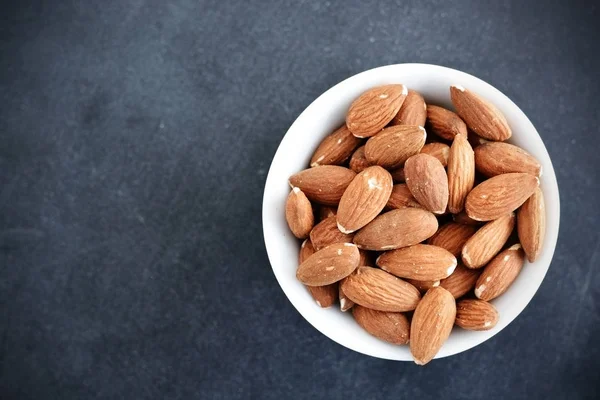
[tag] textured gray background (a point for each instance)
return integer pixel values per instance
(135, 137)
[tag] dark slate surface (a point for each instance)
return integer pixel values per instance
(135, 140)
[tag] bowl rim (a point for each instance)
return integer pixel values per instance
(550, 191)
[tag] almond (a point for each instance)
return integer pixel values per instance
(431, 324)
(378, 290)
(531, 225)
(413, 110)
(499, 195)
(476, 315)
(480, 115)
(397, 228)
(299, 213)
(487, 241)
(441, 151)
(358, 161)
(374, 109)
(461, 173)
(461, 282)
(326, 232)
(428, 182)
(444, 123)
(421, 262)
(329, 265)
(401, 197)
(326, 212)
(325, 184)
(398, 175)
(474, 140)
(364, 199)
(423, 286)
(392, 146)
(321, 294)
(463, 218)
(392, 327)
(496, 158)
(452, 237)
(345, 302)
(500, 273)
(335, 148)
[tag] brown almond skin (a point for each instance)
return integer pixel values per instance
(345, 302)
(378, 290)
(431, 324)
(321, 294)
(398, 175)
(364, 199)
(374, 109)
(496, 158)
(325, 184)
(421, 262)
(441, 151)
(335, 148)
(326, 233)
(329, 265)
(394, 145)
(427, 180)
(423, 286)
(306, 250)
(299, 214)
(476, 315)
(500, 273)
(461, 282)
(531, 225)
(401, 197)
(499, 195)
(463, 218)
(461, 173)
(480, 115)
(358, 161)
(413, 110)
(392, 327)
(397, 228)
(444, 123)
(452, 237)
(487, 241)
(326, 212)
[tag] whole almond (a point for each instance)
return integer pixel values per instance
(401, 197)
(392, 146)
(326, 212)
(479, 114)
(496, 158)
(461, 282)
(321, 294)
(476, 315)
(431, 324)
(325, 184)
(463, 218)
(422, 262)
(499, 195)
(358, 161)
(326, 232)
(378, 290)
(345, 302)
(487, 241)
(397, 228)
(335, 148)
(413, 110)
(329, 265)
(299, 213)
(531, 224)
(398, 175)
(423, 286)
(427, 180)
(364, 199)
(444, 123)
(500, 273)
(392, 327)
(452, 237)
(461, 173)
(441, 151)
(374, 109)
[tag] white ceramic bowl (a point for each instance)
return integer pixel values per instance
(326, 114)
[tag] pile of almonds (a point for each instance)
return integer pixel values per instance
(411, 228)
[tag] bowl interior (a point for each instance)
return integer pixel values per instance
(326, 114)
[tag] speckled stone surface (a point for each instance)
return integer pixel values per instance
(135, 141)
